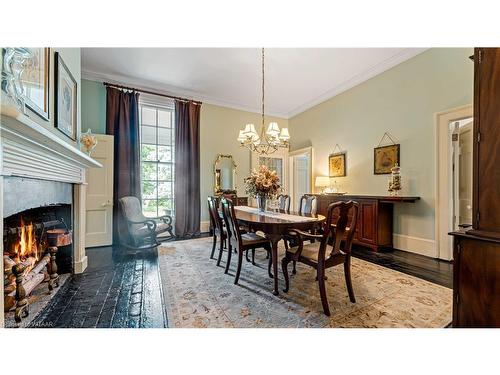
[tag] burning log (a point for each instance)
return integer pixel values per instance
(29, 286)
(29, 280)
(38, 268)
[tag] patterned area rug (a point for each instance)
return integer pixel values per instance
(199, 294)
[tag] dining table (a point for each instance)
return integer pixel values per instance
(275, 224)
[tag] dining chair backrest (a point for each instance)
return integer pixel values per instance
(336, 232)
(215, 219)
(232, 227)
(308, 205)
(284, 202)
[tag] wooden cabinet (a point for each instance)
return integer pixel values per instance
(476, 252)
(374, 227)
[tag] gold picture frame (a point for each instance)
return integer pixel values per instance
(385, 157)
(337, 164)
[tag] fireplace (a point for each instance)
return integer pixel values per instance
(43, 191)
(37, 239)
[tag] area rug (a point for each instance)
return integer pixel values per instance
(198, 294)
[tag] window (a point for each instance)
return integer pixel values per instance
(157, 158)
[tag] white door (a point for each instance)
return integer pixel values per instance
(300, 175)
(99, 210)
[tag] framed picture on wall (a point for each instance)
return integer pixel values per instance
(384, 158)
(65, 98)
(34, 80)
(337, 164)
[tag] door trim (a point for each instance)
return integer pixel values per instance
(305, 150)
(442, 192)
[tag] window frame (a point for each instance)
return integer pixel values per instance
(158, 105)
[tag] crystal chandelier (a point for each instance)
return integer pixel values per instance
(268, 141)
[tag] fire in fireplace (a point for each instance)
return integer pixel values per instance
(32, 240)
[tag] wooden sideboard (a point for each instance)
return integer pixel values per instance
(374, 227)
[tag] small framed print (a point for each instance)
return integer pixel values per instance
(337, 164)
(384, 158)
(65, 98)
(34, 81)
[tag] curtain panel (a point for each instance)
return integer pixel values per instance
(122, 122)
(187, 169)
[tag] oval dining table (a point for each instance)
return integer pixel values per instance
(275, 224)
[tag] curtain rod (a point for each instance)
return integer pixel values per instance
(150, 92)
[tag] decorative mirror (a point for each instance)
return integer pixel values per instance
(225, 174)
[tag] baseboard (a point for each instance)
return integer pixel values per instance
(205, 226)
(81, 265)
(422, 246)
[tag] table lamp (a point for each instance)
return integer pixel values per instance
(322, 182)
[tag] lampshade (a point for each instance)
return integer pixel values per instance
(273, 129)
(322, 181)
(241, 136)
(250, 132)
(284, 135)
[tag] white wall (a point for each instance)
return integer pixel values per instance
(403, 101)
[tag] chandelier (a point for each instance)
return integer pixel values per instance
(268, 141)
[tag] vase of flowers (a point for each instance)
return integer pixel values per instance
(262, 184)
(88, 141)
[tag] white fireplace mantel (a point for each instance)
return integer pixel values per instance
(31, 150)
(28, 149)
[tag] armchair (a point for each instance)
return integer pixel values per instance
(143, 232)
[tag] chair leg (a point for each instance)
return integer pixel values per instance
(221, 249)
(348, 282)
(229, 253)
(253, 257)
(322, 289)
(213, 247)
(238, 270)
(294, 271)
(284, 266)
(269, 265)
(246, 256)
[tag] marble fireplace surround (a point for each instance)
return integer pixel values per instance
(30, 151)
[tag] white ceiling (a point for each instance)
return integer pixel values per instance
(296, 78)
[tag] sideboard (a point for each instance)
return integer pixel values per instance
(374, 226)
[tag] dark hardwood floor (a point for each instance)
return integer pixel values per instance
(434, 270)
(123, 290)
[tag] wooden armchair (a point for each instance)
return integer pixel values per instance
(337, 236)
(143, 232)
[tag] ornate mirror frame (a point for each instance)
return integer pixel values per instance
(217, 182)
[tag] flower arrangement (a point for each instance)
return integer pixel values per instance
(88, 141)
(263, 183)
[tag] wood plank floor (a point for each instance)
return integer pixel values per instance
(120, 290)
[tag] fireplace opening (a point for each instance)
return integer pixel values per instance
(38, 247)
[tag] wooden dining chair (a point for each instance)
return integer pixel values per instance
(242, 242)
(284, 202)
(337, 236)
(308, 205)
(218, 228)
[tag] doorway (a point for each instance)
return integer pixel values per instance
(454, 143)
(301, 175)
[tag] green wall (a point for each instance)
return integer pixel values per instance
(403, 101)
(93, 107)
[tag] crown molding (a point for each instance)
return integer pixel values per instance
(170, 90)
(176, 91)
(359, 78)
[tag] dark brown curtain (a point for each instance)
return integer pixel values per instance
(187, 168)
(122, 121)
